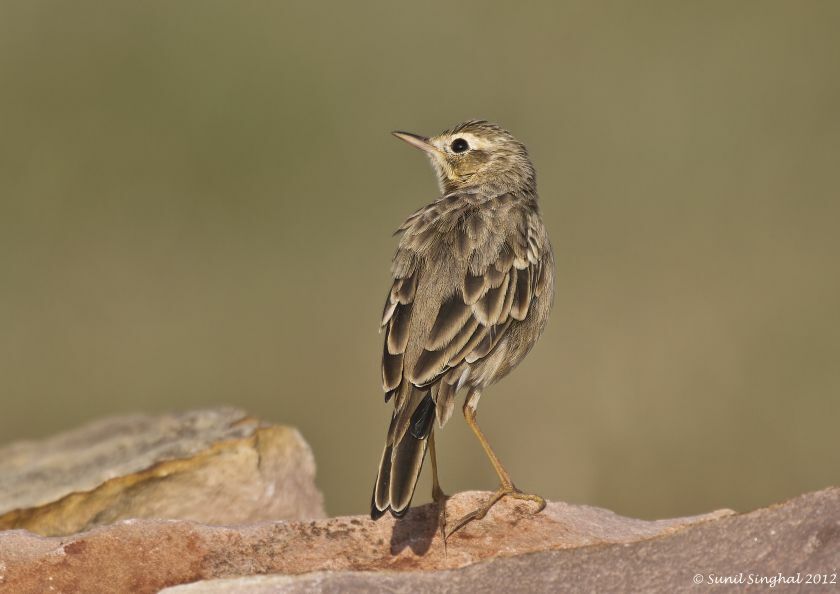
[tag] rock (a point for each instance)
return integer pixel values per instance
(212, 466)
(147, 555)
(566, 548)
(770, 550)
(219, 475)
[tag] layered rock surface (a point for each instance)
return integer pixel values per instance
(254, 482)
(213, 466)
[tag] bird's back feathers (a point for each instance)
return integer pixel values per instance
(467, 272)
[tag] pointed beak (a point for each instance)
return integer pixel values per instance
(420, 142)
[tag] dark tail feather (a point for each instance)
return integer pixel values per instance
(400, 466)
(380, 499)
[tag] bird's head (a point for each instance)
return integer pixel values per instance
(476, 153)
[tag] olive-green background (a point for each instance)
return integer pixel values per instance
(197, 200)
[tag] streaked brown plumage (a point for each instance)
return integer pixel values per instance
(473, 287)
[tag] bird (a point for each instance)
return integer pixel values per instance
(473, 285)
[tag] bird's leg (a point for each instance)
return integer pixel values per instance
(506, 488)
(438, 495)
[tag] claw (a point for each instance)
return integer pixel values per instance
(502, 492)
(440, 498)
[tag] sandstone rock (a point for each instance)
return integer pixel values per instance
(770, 550)
(213, 466)
(223, 468)
(146, 555)
(566, 548)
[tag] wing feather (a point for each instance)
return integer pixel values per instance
(397, 337)
(488, 309)
(452, 315)
(509, 295)
(392, 370)
(474, 288)
(522, 297)
(503, 275)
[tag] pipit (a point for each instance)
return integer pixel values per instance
(473, 287)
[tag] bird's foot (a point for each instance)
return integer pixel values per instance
(503, 491)
(440, 499)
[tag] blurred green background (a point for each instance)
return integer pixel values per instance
(197, 200)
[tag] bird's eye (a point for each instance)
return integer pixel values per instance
(459, 145)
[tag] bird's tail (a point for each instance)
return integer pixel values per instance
(401, 462)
